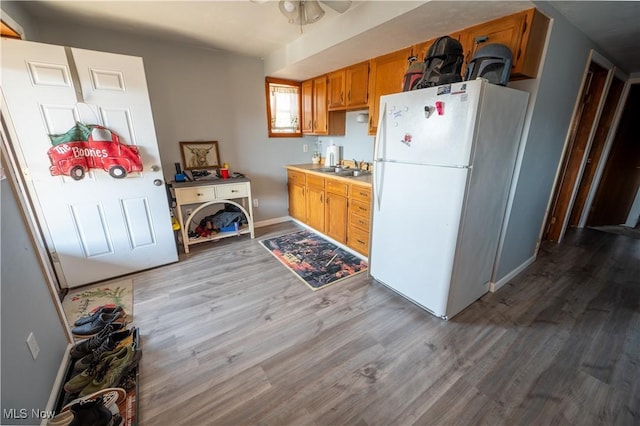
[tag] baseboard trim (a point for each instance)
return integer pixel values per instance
(58, 383)
(495, 286)
(271, 221)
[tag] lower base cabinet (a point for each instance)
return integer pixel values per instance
(335, 207)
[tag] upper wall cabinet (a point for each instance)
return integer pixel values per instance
(348, 87)
(316, 119)
(523, 32)
(387, 74)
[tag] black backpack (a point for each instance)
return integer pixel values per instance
(443, 63)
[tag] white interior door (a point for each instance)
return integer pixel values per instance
(98, 227)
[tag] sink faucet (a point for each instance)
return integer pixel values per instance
(355, 162)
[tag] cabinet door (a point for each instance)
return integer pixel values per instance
(523, 32)
(336, 89)
(387, 73)
(357, 85)
(307, 106)
(315, 208)
(336, 217)
(297, 203)
(320, 113)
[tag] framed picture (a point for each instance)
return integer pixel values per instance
(200, 155)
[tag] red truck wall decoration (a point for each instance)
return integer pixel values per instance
(85, 147)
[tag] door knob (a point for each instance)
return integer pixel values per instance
(155, 168)
(157, 182)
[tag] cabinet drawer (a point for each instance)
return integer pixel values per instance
(200, 194)
(360, 208)
(231, 191)
(336, 187)
(296, 177)
(358, 221)
(316, 181)
(358, 240)
(361, 193)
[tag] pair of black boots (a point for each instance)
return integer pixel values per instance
(90, 412)
(93, 413)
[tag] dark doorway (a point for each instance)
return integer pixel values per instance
(581, 126)
(621, 177)
(595, 152)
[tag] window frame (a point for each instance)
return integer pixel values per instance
(268, 81)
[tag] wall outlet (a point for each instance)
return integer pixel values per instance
(256, 203)
(33, 345)
(305, 148)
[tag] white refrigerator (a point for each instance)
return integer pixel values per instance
(443, 164)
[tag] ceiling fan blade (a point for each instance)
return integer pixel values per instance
(339, 6)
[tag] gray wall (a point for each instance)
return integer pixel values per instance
(26, 308)
(26, 305)
(558, 89)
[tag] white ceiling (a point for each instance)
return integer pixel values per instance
(369, 28)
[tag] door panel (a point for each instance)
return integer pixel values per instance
(97, 227)
(621, 177)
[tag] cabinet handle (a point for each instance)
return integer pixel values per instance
(361, 222)
(362, 209)
(320, 198)
(199, 194)
(360, 241)
(341, 96)
(234, 190)
(349, 96)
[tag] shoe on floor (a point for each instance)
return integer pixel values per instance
(85, 347)
(113, 370)
(91, 412)
(113, 343)
(105, 309)
(98, 324)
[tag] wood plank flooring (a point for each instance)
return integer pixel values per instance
(230, 337)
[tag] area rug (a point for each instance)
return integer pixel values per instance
(83, 300)
(316, 261)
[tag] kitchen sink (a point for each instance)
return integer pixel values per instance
(343, 171)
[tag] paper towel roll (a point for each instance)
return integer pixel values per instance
(332, 157)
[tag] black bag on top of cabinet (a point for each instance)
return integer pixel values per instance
(414, 73)
(443, 63)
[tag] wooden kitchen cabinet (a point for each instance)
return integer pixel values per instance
(387, 74)
(296, 186)
(336, 209)
(315, 203)
(349, 87)
(316, 118)
(337, 84)
(359, 218)
(523, 32)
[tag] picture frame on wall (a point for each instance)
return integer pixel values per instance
(200, 155)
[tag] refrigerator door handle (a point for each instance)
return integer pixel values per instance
(378, 171)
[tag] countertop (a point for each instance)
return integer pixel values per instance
(364, 180)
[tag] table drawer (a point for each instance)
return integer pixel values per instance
(336, 187)
(361, 193)
(231, 191)
(358, 240)
(195, 195)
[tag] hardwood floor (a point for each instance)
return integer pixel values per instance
(230, 337)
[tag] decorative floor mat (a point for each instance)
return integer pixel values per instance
(81, 301)
(313, 259)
